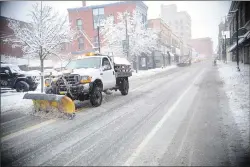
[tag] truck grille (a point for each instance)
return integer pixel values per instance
(71, 79)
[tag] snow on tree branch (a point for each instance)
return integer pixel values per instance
(44, 35)
(141, 40)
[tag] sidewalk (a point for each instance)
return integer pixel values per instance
(236, 86)
(147, 73)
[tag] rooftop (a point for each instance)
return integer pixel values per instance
(110, 4)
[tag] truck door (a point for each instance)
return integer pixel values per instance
(108, 74)
(6, 77)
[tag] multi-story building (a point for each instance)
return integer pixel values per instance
(88, 19)
(6, 48)
(242, 9)
(180, 23)
(164, 33)
(223, 41)
(221, 48)
(168, 41)
(203, 46)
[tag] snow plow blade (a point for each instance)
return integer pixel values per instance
(51, 102)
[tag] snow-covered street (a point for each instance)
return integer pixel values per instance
(25, 106)
(172, 116)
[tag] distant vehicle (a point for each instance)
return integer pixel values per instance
(14, 78)
(186, 61)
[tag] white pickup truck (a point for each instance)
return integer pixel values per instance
(87, 77)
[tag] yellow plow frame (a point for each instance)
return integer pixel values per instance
(51, 102)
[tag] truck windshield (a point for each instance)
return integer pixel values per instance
(91, 62)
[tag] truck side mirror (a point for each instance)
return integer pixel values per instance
(7, 71)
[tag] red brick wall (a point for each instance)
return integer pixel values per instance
(87, 19)
(5, 48)
(203, 46)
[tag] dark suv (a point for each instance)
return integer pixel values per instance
(14, 78)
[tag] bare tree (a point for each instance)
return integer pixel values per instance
(44, 36)
(141, 39)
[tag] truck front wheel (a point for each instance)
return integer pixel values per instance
(22, 86)
(124, 87)
(95, 96)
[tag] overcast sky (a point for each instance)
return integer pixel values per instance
(205, 15)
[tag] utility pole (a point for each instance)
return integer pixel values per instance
(127, 40)
(225, 47)
(98, 36)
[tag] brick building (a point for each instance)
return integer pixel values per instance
(180, 23)
(88, 18)
(6, 48)
(203, 45)
(164, 32)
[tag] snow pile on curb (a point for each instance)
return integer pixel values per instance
(13, 101)
(236, 85)
(146, 73)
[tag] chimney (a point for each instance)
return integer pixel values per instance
(83, 3)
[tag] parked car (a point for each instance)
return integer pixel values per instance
(13, 77)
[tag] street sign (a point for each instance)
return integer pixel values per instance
(125, 45)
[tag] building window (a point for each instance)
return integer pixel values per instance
(98, 16)
(80, 43)
(144, 19)
(79, 24)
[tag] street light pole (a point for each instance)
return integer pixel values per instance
(237, 38)
(225, 43)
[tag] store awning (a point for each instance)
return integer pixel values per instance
(248, 36)
(240, 41)
(232, 47)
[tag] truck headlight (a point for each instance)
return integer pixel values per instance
(47, 82)
(85, 79)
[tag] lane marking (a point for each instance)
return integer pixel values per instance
(185, 135)
(12, 135)
(13, 120)
(138, 150)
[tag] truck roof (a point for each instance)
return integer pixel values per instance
(7, 65)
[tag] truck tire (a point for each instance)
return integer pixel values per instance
(124, 87)
(95, 96)
(22, 86)
(33, 89)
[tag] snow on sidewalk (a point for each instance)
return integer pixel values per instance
(236, 85)
(13, 101)
(147, 73)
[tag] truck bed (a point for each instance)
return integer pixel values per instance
(122, 70)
